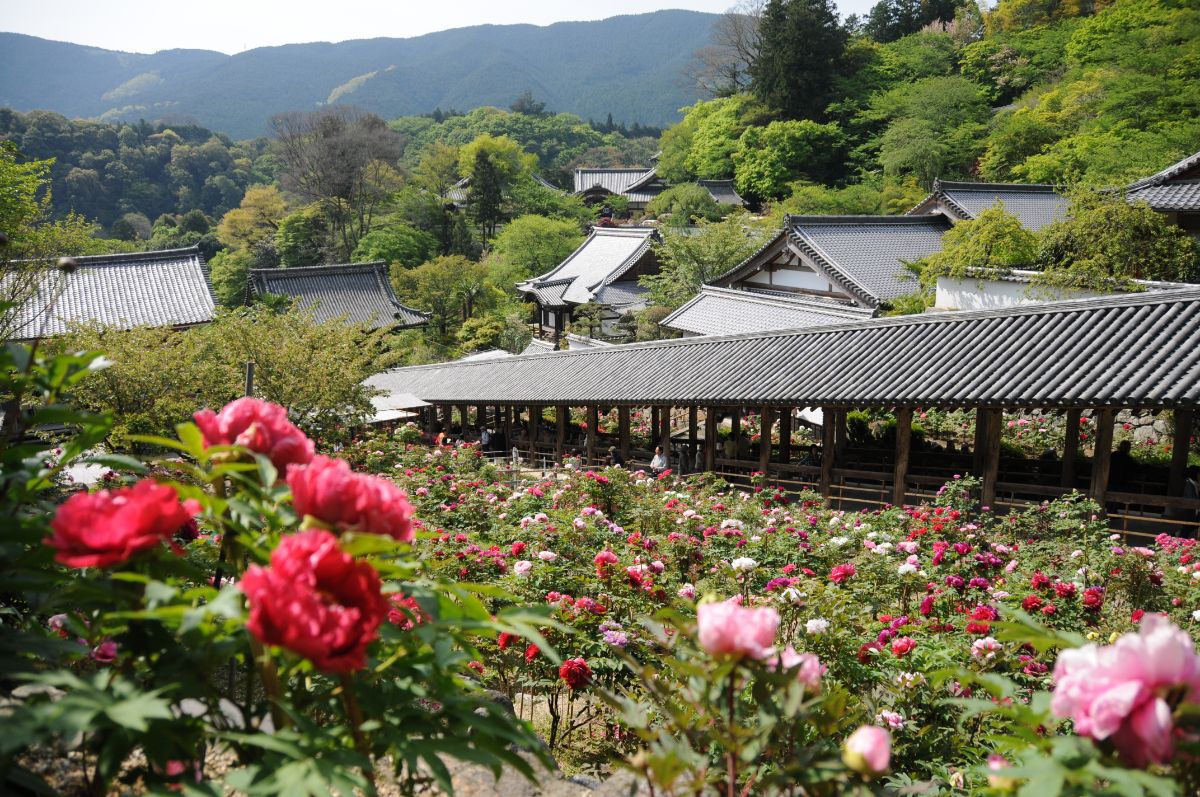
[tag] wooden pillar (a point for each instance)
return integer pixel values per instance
(535, 422)
(653, 426)
(766, 421)
(987, 433)
(840, 432)
(785, 435)
(710, 438)
(446, 410)
(903, 446)
(693, 438)
(979, 446)
(508, 429)
(664, 432)
(561, 416)
(463, 417)
(1070, 450)
(735, 426)
(593, 420)
(1180, 446)
(829, 423)
(623, 431)
(1102, 457)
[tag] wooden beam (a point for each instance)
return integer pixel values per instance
(828, 449)
(562, 414)
(903, 446)
(990, 453)
(785, 435)
(593, 420)
(623, 431)
(1180, 446)
(710, 438)
(766, 421)
(1102, 454)
(1070, 450)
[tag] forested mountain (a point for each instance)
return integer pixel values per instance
(628, 66)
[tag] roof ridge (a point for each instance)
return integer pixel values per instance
(371, 265)
(1158, 178)
(139, 257)
(980, 185)
(904, 220)
(948, 317)
(799, 300)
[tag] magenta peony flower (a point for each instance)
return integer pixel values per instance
(809, 668)
(107, 527)
(868, 750)
(841, 572)
(260, 426)
(729, 629)
(328, 491)
(1120, 691)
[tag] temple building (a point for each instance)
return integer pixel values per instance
(359, 293)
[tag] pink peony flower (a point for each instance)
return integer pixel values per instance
(105, 652)
(729, 629)
(329, 492)
(603, 561)
(687, 592)
(260, 426)
(868, 750)
(840, 573)
(523, 567)
(1120, 691)
(808, 667)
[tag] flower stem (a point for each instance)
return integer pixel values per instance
(730, 760)
(270, 681)
(355, 718)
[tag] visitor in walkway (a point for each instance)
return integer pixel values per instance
(658, 462)
(614, 457)
(730, 447)
(699, 461)
(1122, 469)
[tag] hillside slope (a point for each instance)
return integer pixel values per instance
(629, 66)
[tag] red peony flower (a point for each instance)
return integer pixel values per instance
(575, 673)
(903, 646)
(405, 613)
(107, 527)
(504, 640)
(260, 426)
(531, 653)
(316, 601)
(603, 560)
(841, 572)
(328, 491)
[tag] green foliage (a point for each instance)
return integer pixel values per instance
(688, 259)
(230, 275)
(1105, 242)
(451, 288)
(718, 125)
(686, 204)
(158, 376)
(104, 171)
(532, 245)
(990, 245)
(300, 238)
(800, 53)
(400, 245)
(769, 158)
(859, 199)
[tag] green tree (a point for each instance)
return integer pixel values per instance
(301, 237)
(230, 274)
(451, 288)
(688, 259)
(256, 219)
(493, 164)
(402, 246)
(769, 158)
(800, 55)
(532, 245)
(719, 125)
(1105, 242)
(990, 245)
(912, 147)
(686, 204)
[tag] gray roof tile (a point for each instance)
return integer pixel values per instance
(1036, 206)
(722, 191)
(1137, 350)
(1173, 195)
(168, 288)
(606, 255)
(359, 292)
(722, 311)
(866, 254)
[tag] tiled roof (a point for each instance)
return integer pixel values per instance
(1036, 206)
(583, 342)
(722, 191)
(1174, 195)
(480, 356)
(636, 185)
(1137, 350)
(866, 254)
(722, 311)
(358, 292)
(621, 295)
(606, 255)
(459, 193)
(168, 288)
(1180, 170)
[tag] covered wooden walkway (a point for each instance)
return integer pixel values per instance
(1085, 360)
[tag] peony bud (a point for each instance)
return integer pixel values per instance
(868, 750)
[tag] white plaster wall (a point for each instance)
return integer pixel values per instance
(984, 294)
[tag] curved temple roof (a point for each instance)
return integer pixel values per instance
(1136, 350)
(358, 292)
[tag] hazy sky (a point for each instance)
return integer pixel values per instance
(231, 26)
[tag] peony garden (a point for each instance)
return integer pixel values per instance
(242, 609)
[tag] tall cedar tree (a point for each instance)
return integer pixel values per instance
(801, 53)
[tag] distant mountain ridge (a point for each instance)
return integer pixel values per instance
(629, 66)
